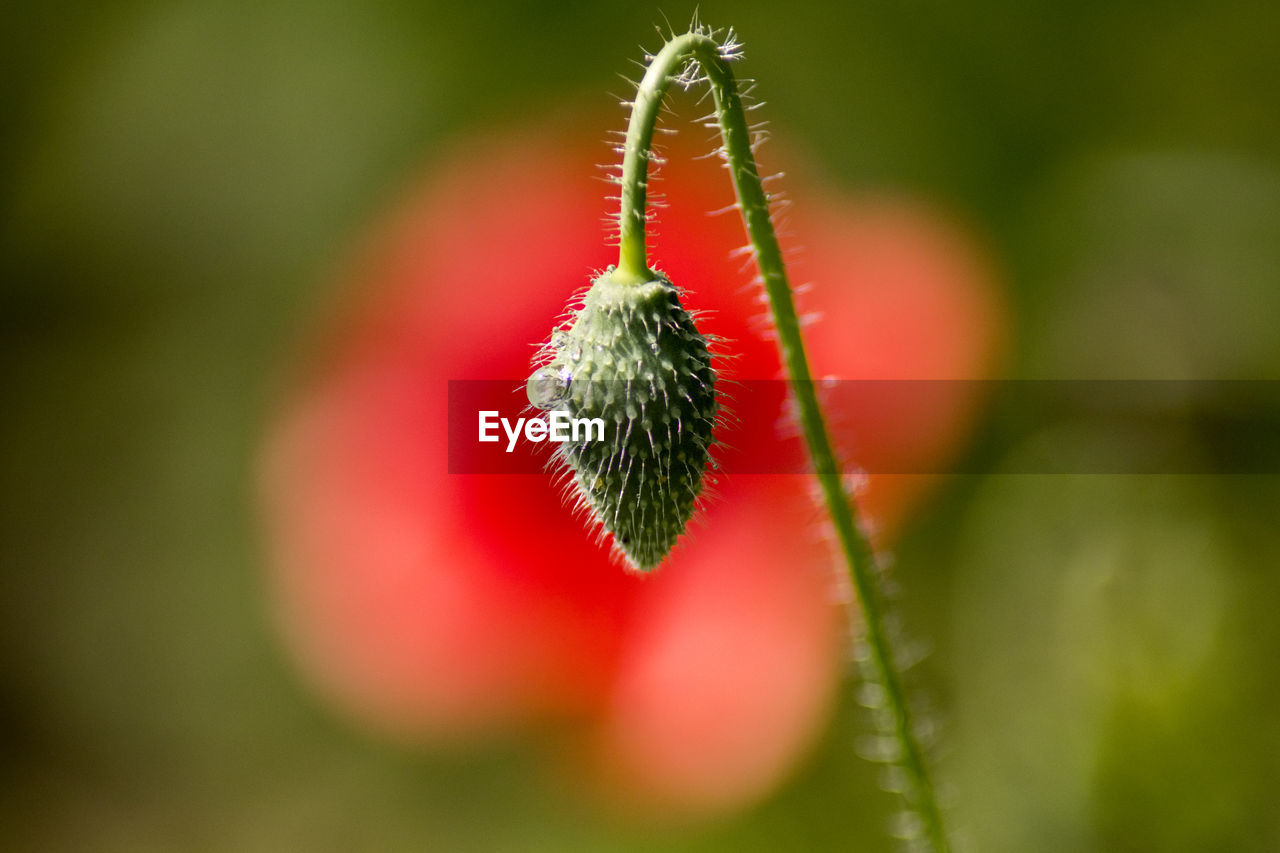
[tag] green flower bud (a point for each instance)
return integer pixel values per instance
(633, 358)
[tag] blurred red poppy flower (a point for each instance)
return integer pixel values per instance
(439, 606)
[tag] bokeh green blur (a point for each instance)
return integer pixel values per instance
(177, 181)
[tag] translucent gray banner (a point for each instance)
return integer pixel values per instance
(921, 426)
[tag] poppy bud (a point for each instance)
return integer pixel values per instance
(632, 360)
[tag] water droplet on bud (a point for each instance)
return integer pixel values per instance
(546, 388)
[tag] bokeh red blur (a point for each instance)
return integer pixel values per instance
(439, 608)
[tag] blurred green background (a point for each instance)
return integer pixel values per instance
(177, 180)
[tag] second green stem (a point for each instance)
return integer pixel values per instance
(754, 205)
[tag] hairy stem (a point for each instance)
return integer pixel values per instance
(754, 204)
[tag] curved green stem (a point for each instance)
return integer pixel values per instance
(754, 204)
